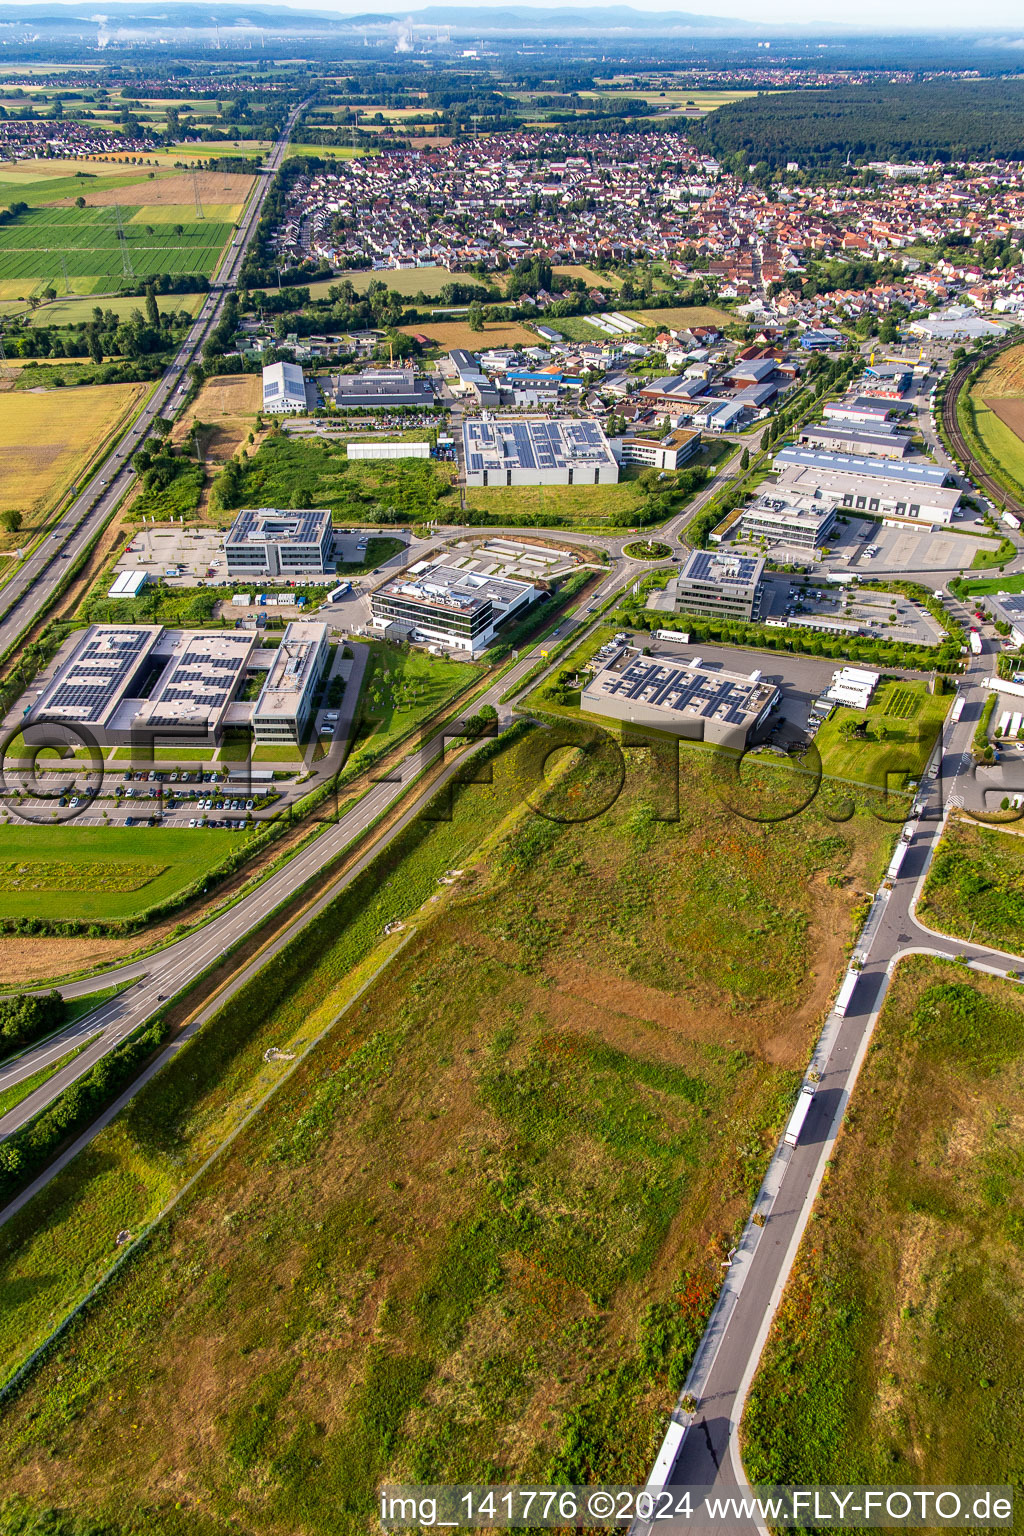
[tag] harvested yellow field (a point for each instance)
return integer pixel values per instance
(214, 187)
(47, 439)
(228, 407)
(590, 277)
(1003, 379)
(456, 333)
(680, 319)
(185, 213)
(54, 170)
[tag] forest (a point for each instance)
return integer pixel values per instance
(939, 120)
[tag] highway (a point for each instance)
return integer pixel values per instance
(32, 586)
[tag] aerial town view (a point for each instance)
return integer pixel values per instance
(511, 769)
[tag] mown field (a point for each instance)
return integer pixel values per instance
(901, 727)
(401, 688)
(71, 311)
(540, 503)
(32, 245)
(897, 1354)
(477, 1234)
(99, 873)
(37, 463)
(683, 317)
(975, 887)
(456, 333)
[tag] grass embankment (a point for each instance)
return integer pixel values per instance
(71, 873)
(898, 1351)
(900, 729)
(479, 1232)
(11, 1097)
(975, 887)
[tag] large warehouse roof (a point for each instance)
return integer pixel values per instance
(912, 472)
(504, 445)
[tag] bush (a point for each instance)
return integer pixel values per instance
(27, 1016)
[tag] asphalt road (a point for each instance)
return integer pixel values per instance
(30, 588)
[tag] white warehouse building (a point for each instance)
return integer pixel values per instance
(284, 389)
(389, 450)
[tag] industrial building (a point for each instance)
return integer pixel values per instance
(686, 698)
(1008, 608)
(914, 473)
(263, 541)
(381, 389)
(877, 486)
(714, 583)
(284, 389)
(863, 410)
(444, 604)
(671, 451)
(286, 701)
(672, 393)
(128, 583)
(875, 442)
(124, 683)
(778, 521)
(543, 452)
(141, 684)
(388, 451)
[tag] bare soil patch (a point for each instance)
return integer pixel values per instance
(1010, 411)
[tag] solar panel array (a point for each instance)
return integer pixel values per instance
(503, 445)
(680, 688)
(95, 674)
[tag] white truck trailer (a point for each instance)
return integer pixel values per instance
(799, 1115)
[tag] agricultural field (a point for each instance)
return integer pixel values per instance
(228, 407)
(590, 277)
(41, 182)
(679, 319)
(99, 873)
(79, 311)
(898, 1350)
(170, 197)
(35, 469)
(1003, 379)
(407, 282)
(902, 724)
(975, 887)
(330, 151)
(456, 333)
(32, 247)
(478, 1233)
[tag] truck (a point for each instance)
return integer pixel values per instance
(339, 592)
(974, 641)
(958, 707)
(892, 872)
(1010, 519)
(846, 992)
(798, 1117)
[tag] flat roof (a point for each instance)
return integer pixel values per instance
(198, 681)
(884, 432)
(268, 525)
(383, 385)
(726, 570)
(504, 445)
(805, 480)
(911, 472)
(683, 688)
(96, 673)
(783, 511)
(446, 586)
(289, 675)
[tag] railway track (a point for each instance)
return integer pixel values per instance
(981, 476)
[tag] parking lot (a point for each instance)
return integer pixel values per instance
(197, 553)
(887, 615)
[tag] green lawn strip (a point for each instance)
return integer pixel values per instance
(402, 688)
(975, 886)
(10, 1098)
(901, 1322)
(166, 859)
(993, 584)
(482, 1227)
(165, 755)
(902, 724)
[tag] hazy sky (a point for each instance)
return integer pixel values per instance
(1007, 16)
